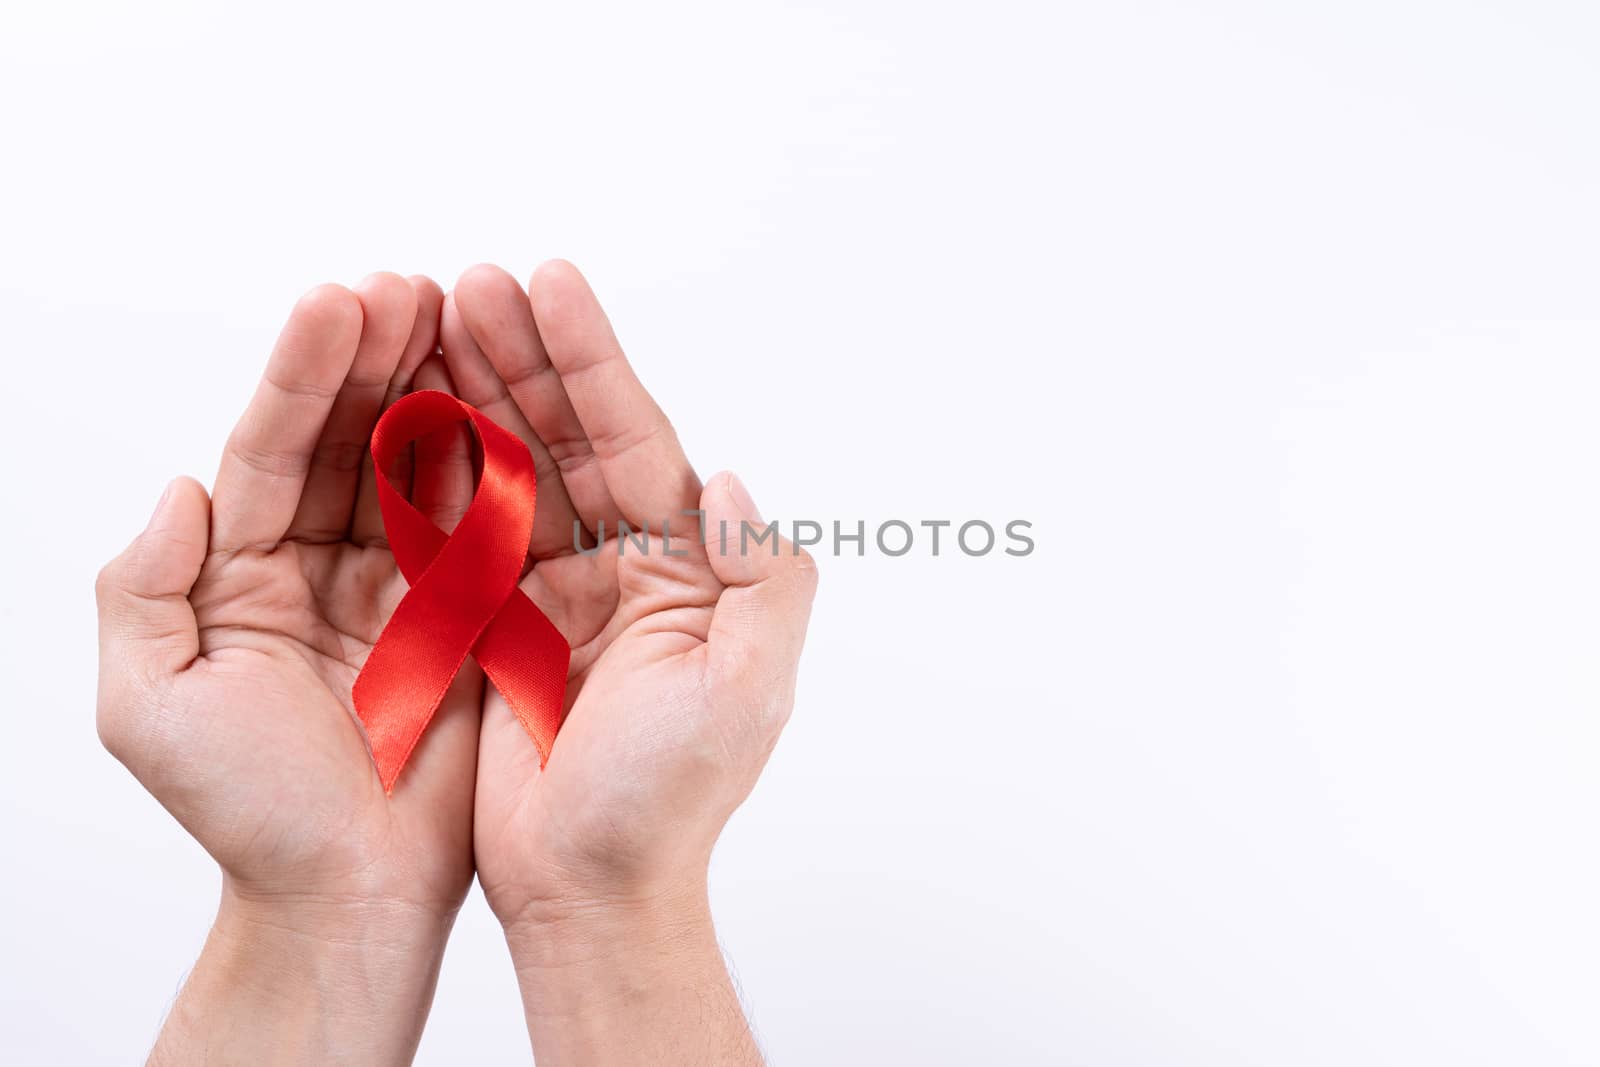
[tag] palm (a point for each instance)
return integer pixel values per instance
(282, 636)
(633, 691)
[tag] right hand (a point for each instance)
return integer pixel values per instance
(232, 628)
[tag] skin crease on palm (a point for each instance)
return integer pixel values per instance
(233, 629)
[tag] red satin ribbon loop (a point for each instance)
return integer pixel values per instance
(463, 597)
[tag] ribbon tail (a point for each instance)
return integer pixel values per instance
(526, 658)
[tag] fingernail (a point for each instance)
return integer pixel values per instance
(741, 500)
(161, 505)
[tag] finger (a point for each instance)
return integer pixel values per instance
(388, 315)
(268, 456)
(443, 478)
(498, 317)
(759, 625)
(479, 384)
(637, 450)
(147, 627)
(436, 788)
(366, 527)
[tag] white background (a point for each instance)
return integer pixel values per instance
(1279, 321)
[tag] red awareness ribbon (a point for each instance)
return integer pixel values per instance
(463, 597)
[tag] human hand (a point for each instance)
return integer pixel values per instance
(230, 633)
(682, 675)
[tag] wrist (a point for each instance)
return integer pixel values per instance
(635, 976)
(321, 922)
(307, 980)
(572, 928)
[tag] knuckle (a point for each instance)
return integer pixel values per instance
(267, 460)
(770, 707)
(111, 725)
(130, 716)
(342, 457)
(106, 583)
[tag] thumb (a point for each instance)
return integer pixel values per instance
(147, 628)
(759, 624)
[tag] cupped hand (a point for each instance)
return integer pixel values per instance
(683, 655)
(232, 629)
